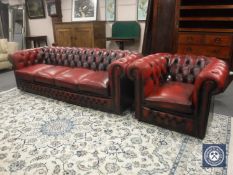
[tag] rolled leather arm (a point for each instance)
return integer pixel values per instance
(148, 71)
(23, 58)
(216, 71)
(116, 71)
(147, 65)
(122, 64)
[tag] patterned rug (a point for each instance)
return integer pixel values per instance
(39, 135)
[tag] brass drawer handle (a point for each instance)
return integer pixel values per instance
(217, 40)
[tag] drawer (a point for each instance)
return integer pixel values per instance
(219, 52)
(190, 38)
(190, 49)
(218, 40)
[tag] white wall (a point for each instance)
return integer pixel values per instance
(41, 26)
(67, 10)
(126, 10)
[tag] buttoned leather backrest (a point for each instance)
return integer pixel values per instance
(185, 68)
(95, 59)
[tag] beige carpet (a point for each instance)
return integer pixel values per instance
(230, 157)
(39, 135)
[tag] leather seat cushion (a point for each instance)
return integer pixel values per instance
(47, 75)
(96, 82)
(172, 96)
(27, 73)
(70, 79)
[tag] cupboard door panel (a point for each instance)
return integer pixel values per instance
(82, 37)
(99, 31)
(100, 43)
(64, 37)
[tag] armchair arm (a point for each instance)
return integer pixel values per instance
(216, 71)
(23, 58)
(146, 73)
(149, 71)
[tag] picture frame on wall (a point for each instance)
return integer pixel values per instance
(52, 7)
(35, 9)
(110, 10)
(84, 10)
(142, 10)
(1, 29)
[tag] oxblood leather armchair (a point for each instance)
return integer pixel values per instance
(88, 77)
(175, 91)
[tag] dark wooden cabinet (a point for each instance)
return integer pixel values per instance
(80, 34)
(205, 28)
(200, 27)
(160, 27)
(208, 44)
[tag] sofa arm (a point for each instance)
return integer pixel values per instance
(122, 64)
(216, 71)
(23, 58)
(118, 82)
(149, 71)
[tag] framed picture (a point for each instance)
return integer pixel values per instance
(84, 10)
(110, 10)
(142, 9)
(35, 9)
(1, 28)
(52, 7)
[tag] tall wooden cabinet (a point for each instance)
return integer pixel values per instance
(80, 34)
(160, 27)
(205, 28)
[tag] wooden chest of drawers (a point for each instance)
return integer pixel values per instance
(208, 44)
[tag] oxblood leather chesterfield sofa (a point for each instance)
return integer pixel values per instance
(88, 77)
(175, 91)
